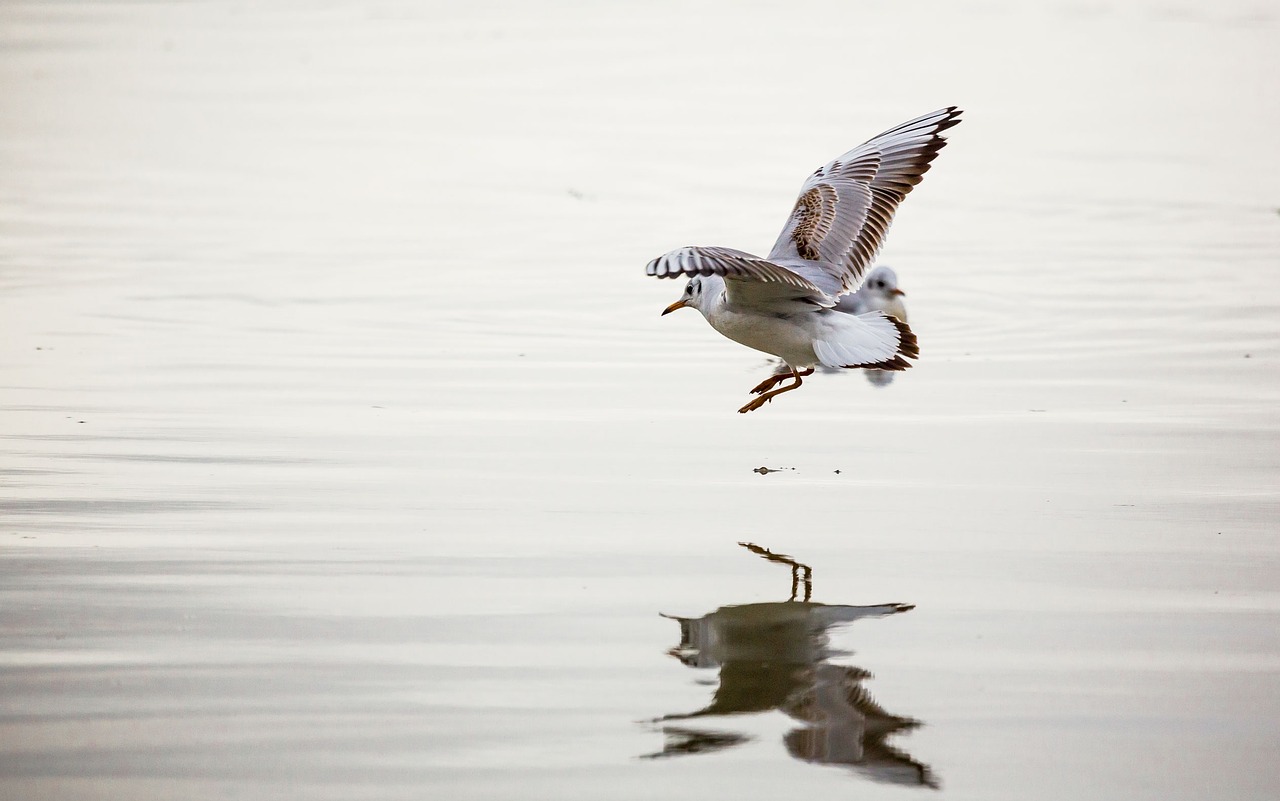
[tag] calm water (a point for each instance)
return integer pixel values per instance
(344, 453)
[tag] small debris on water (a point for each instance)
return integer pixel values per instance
(764, 471)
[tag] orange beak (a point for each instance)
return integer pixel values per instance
(679, 304)
(896, 291)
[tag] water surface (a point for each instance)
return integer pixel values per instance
(344, 453)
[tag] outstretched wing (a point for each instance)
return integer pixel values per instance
(724, 262)
(750, 280)
(845, 208)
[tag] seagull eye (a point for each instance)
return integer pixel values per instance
(688, 290)
(879, 284)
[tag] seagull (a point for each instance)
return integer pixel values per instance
(879, 292)
(787, 304)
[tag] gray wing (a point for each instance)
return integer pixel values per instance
(845, 208)
(750, 279)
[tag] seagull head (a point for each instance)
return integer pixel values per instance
(883, 281)
(692, 296)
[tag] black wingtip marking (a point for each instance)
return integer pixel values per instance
(908, 345)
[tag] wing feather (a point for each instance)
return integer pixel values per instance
(727, 263)
(845, 208)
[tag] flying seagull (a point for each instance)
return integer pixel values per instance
(787, 304)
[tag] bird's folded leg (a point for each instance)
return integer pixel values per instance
(768, 396)
(777, 378)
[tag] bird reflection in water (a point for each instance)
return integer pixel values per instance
(777, 656)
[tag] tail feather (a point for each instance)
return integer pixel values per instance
(873, 340)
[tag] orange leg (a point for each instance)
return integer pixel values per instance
(775, 379)
(768, 396)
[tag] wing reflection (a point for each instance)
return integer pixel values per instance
(777, 656)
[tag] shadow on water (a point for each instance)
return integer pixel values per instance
(777, 656)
